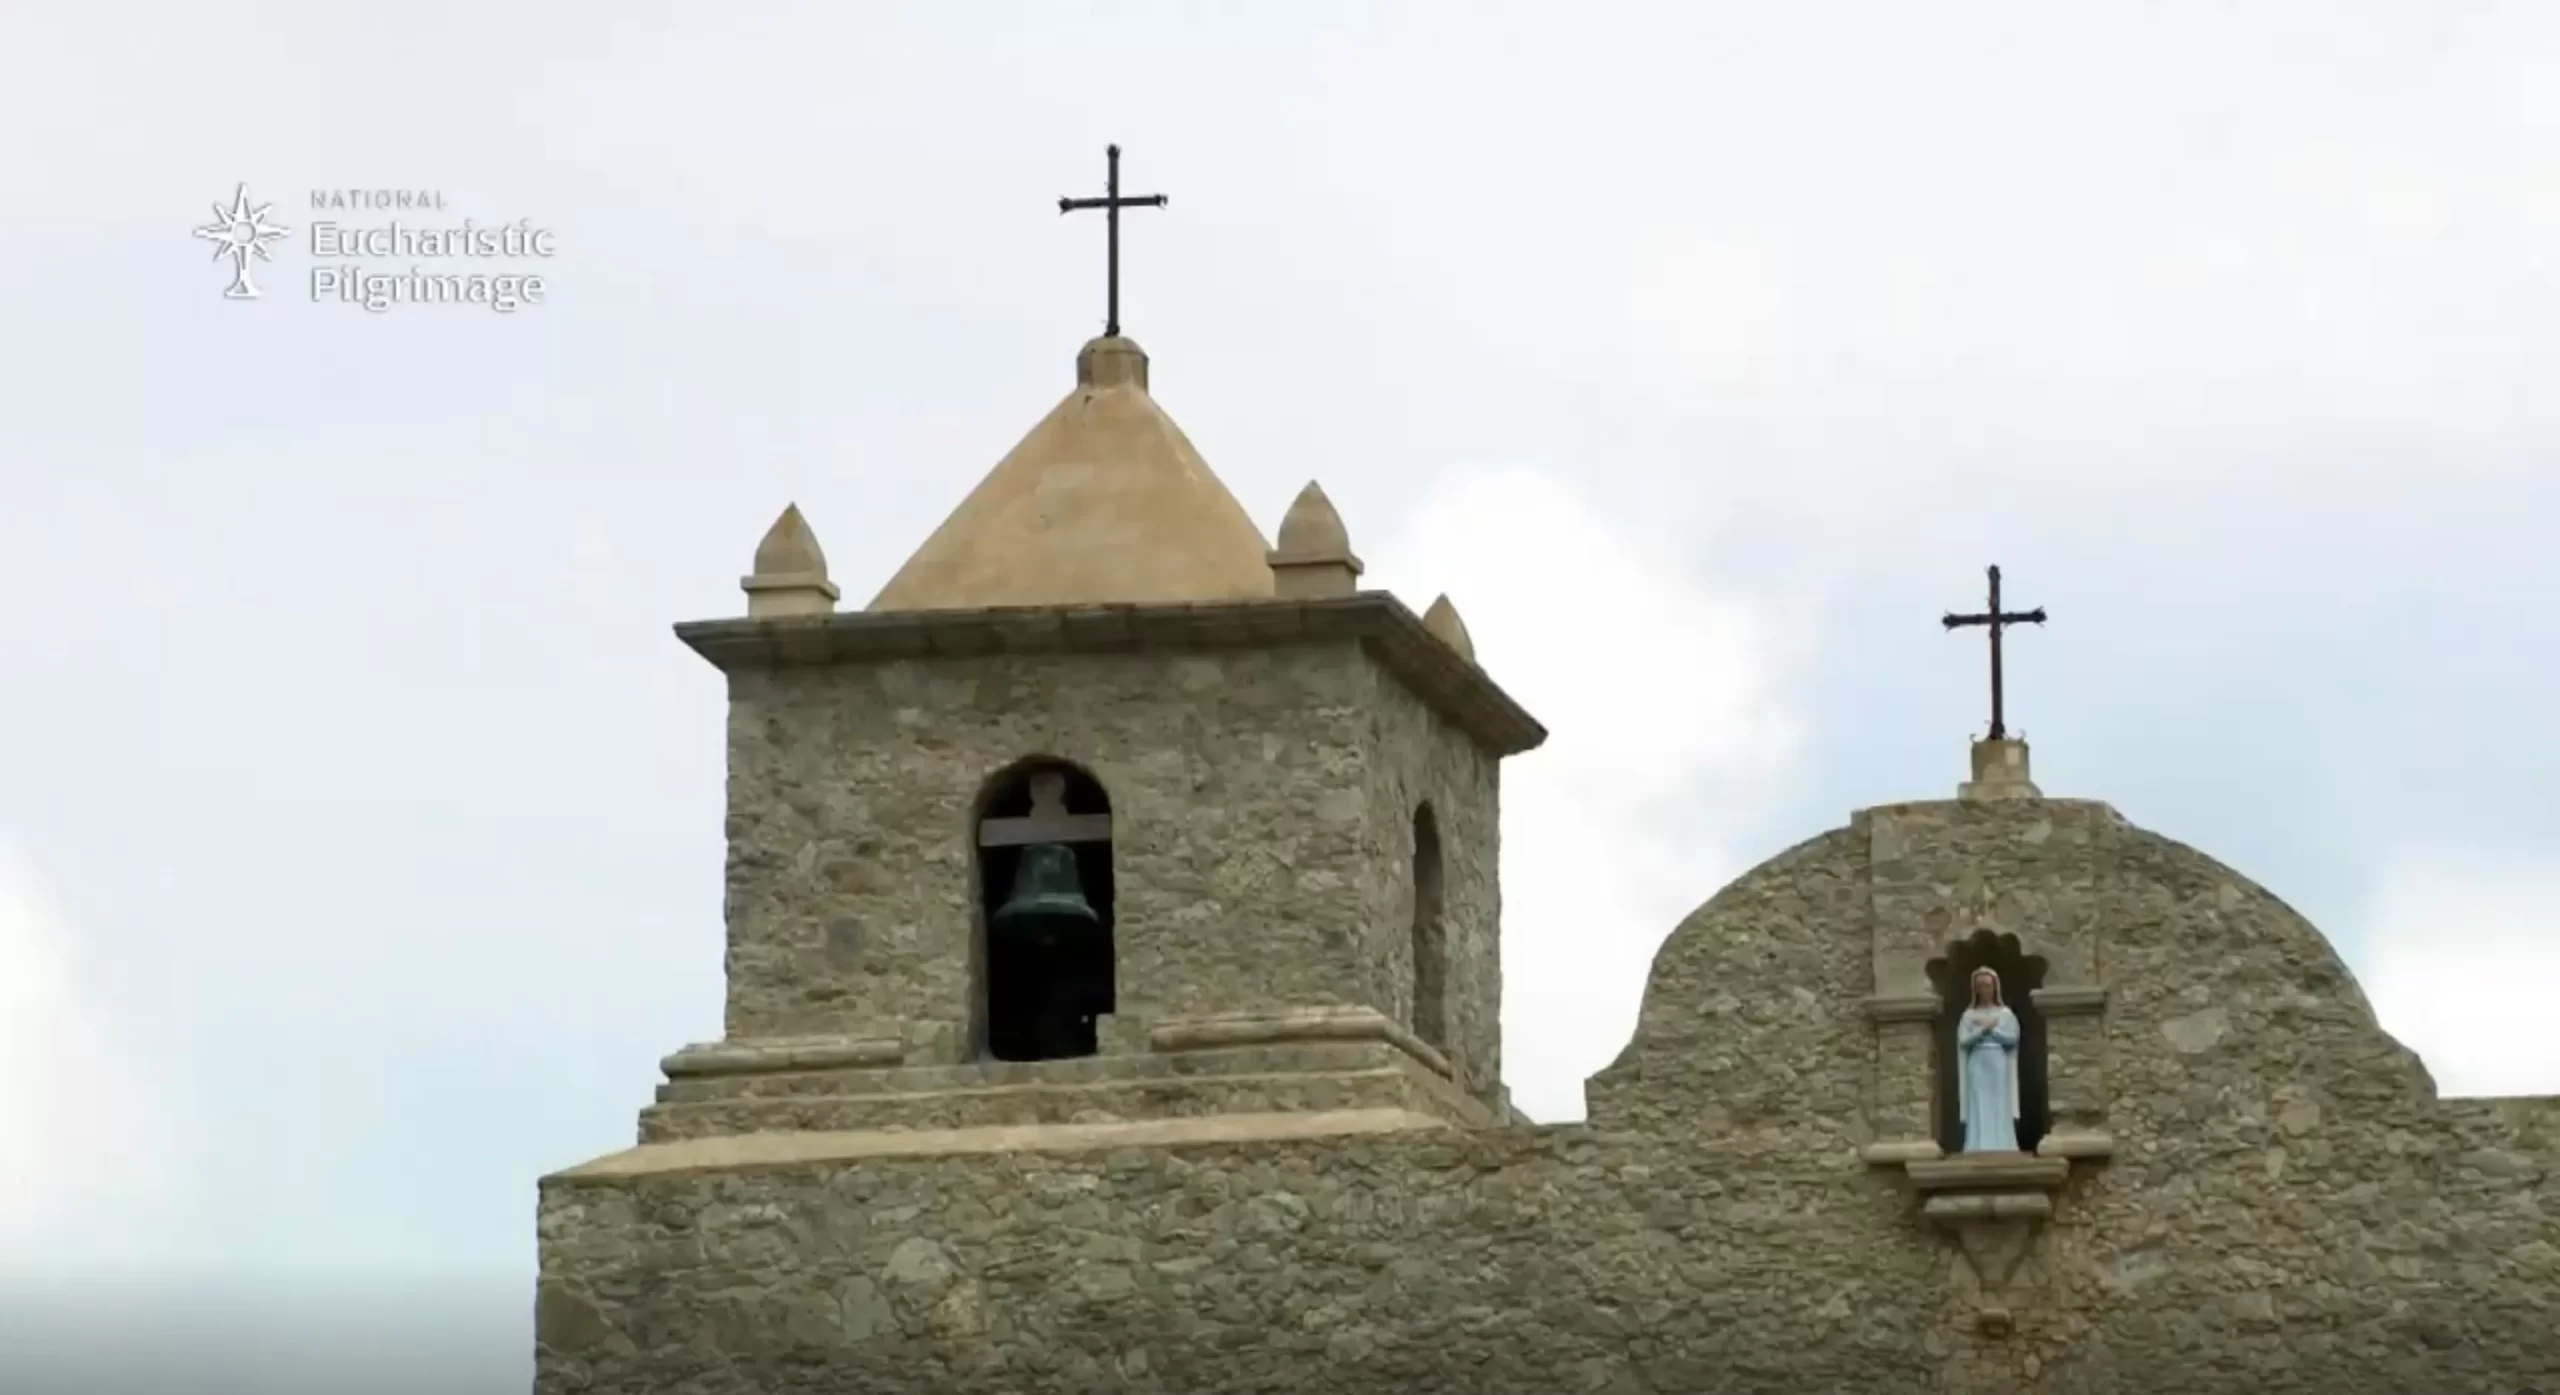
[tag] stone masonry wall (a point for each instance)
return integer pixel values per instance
(1517, 1262)
(2287, 1202)
(1416, 756)
(2288, 1198)
(2288, 1209)
(1254, 861)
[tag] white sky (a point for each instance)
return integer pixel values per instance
(362, 818)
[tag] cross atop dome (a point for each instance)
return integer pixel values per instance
(1111, 202)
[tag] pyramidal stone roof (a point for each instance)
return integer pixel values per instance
(1105, 502)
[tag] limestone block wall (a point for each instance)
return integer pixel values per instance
(1499, 1262)
(1506, 1262)
(2285, 1194)
(1751, 1022)
(2285, 1180)
(2287, 1210)
(1258, 861)
(1416, 756)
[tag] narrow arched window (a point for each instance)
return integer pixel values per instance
(1430, 938)
(1046, 967)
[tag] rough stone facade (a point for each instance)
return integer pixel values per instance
(2246, 1185)
(1263, 804)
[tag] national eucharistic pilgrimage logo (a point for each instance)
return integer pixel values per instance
(449, 261)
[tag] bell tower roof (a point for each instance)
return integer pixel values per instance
(1105, 502)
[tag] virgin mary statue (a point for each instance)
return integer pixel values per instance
(1987, 1069)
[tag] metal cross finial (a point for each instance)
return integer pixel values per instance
(1111, 203)
(1995, 620)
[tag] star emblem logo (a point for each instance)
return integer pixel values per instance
(239, 233)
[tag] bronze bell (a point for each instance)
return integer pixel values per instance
(1045, 889)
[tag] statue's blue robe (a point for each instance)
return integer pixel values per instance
(1988, 1072)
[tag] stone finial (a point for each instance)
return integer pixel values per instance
(1999, 772)
(1111, 361)
(1442, 621)
(791, 572)
(1314, 556)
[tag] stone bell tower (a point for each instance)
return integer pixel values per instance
(1104, 809)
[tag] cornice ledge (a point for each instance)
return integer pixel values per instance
(1376, 620)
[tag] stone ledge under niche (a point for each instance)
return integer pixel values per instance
(1966, 1207)
(1987, 1171)
(1992, 1205)
(2059, 1146)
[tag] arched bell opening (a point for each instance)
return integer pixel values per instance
(1045, 964)
(1430, 940)
(2021, 974)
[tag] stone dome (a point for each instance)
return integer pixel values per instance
(1104, 502)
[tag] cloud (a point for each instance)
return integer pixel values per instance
(1666, 703)
(1719, 307)
(2458, 964)
(87, 1144)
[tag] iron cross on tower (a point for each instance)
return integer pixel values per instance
(1111, 203)
(1995, 620)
